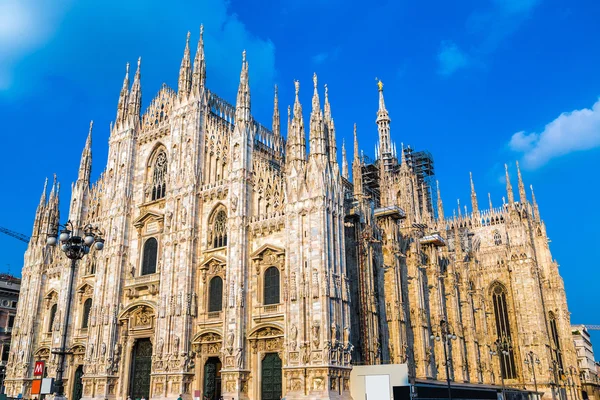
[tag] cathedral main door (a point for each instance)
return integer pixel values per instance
(271, 377)
(212, 379)
(141, 366)
(78, 384)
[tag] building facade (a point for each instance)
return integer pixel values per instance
(9, 296)
(586, 363)
(240, 264)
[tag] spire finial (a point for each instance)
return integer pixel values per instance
(509, 191)
(440, 205)
(522, 194)
(315, 80)
(380, 85)
(127, 69)
(43, 197)
(244, 56)
(199, 71)
(297, 86)
(139, 61)
(536, 210)
(345, 172)
(187, 40)
(276, 100)
(490, 201)
(474, 204)
(356, 151)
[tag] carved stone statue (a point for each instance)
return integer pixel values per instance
(293, 337)
(315, 335)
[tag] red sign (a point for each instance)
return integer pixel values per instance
(39, 368)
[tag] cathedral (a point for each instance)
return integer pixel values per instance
(242, 264)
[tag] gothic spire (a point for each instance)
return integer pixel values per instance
(522, 194)
(474, 204)
(277, 122)
(509, 191)
(276, 117)
(43, 196)
(490, 200)
(185, 71)
(122, 106)
(536, 210)
(317, 134)
(135, 97)
(242, 107)
(199, 73)
(344, 161)
(357, 168)
(289, 124)
(85, 165)
(296, 143)
(383, 126)
(332, 144)
(440, 205)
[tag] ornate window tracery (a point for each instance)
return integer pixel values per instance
(215, 294)
(271, 286)
(150, 256)
(52, 317)
(159, 174)
(87, 308)
(507, 361)
(555, 340)
(218, 232)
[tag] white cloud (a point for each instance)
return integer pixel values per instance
(320, 58)
(451, 58)
(570, 132)
(25, 25)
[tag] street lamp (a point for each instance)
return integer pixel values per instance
(556, 370)
(572, 374)
(446, 335)
(502, 349)
(75, 243)
(531, 360)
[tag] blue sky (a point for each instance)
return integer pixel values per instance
(476, 82)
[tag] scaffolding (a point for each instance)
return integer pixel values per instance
(421, 162)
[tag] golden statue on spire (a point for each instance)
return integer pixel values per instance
(380, 85)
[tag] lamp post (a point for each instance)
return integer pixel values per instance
(502, 349)
(532, 359)
(446, 335)
(573, 374)
(555, 369)
(75, 246)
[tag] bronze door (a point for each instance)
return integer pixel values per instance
(212, 379)
(141, 367)
(78, 384)
(271, 377)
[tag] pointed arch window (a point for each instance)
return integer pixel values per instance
(555, 340)
(497, 238)
(507, 361)
(150, 256)
(52, 317)
(87, 308)
(271, 286)
(218, 233)
(159, 174)
(215, 294)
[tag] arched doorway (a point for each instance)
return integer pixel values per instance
(212, 379)
(78, 384)
(141, 366)
(271, 377)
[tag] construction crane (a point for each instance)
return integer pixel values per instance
(16, 235)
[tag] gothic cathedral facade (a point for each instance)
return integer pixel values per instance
(239, 264)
